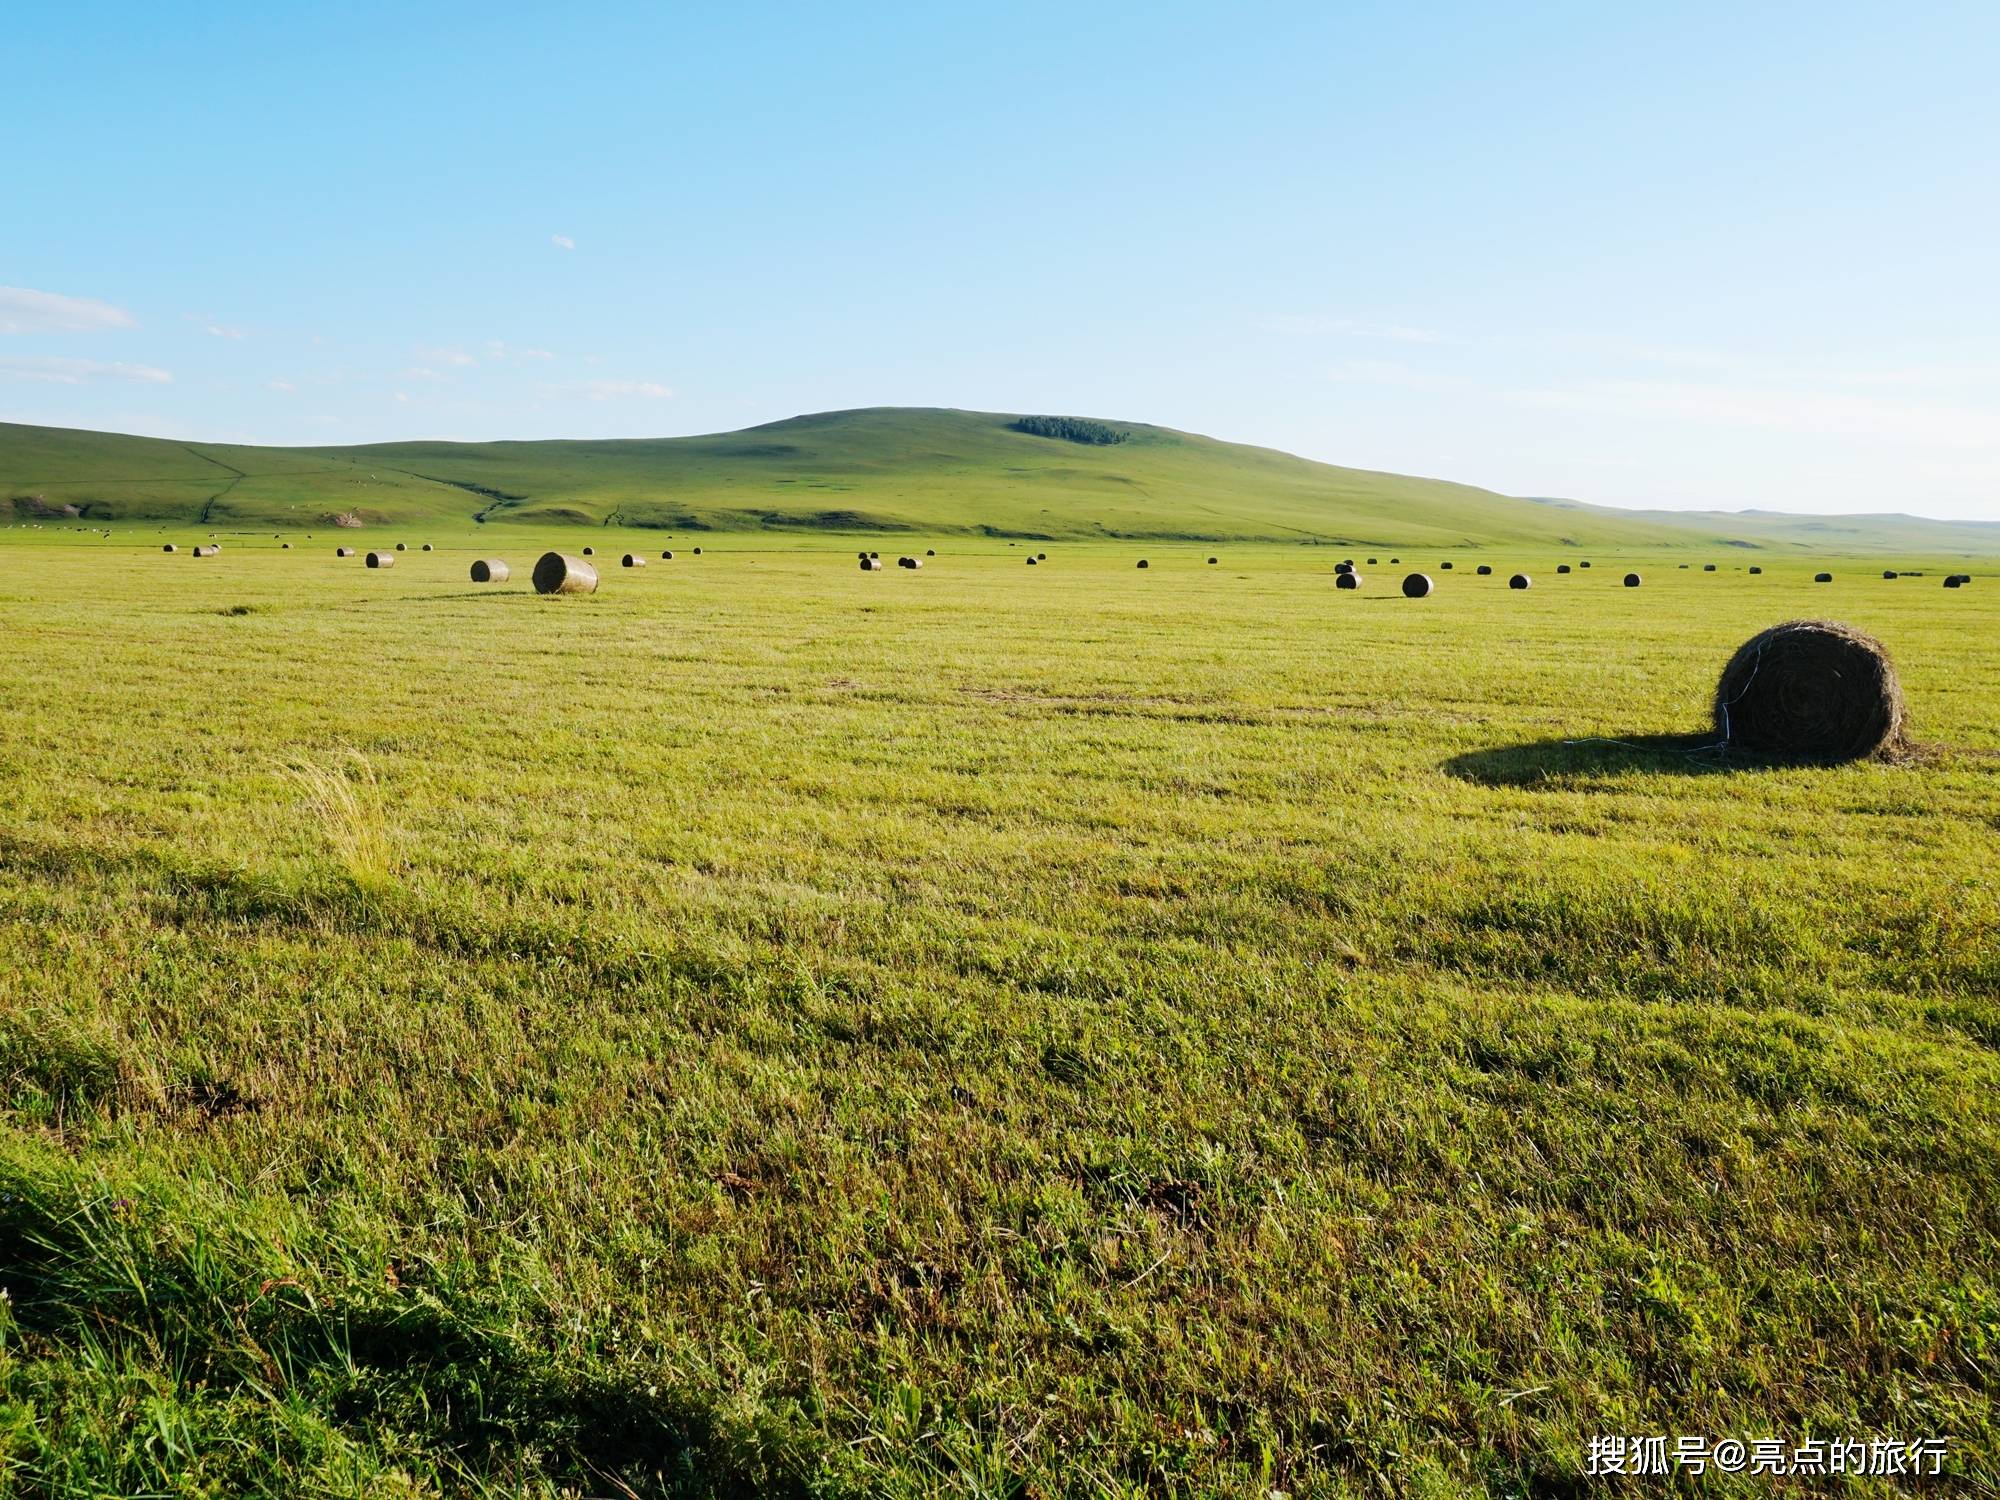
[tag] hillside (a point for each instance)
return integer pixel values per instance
(879, 469)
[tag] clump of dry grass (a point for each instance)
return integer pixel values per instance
(343, 800)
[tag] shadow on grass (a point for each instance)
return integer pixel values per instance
(1562, 760)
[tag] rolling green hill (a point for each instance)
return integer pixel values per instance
(879, 469)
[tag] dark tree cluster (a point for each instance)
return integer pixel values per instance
(1071, 430)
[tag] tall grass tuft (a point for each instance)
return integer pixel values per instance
(343, 798)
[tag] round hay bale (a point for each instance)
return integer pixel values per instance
(343, 552)
(1343, 567)
(697, 552)
(633, 560)
(590, 552)
(402, 546)
(1953, 582)
(1684, 567)
(1708, 567)
(1562, 567)
(667, 556)
(1520, 581)
(559, 573)
(1632, 580)
(1756, 570)
(1822, 578)
(1484, 569)
(427, 546)
(916, 563)
(381, 559)
(1041, 557)
(1347, 580)
(930, 552)
(871, 564)
(1811, 690)
(1394, 560)
(1583, 565)
(1211, 562)
(490, 570)
(1371, 562)
(1888, 572)
(1445, 567)
(284, 546)
(170, 547)
(1144, 564)
(1031, 562)
(1416, 586)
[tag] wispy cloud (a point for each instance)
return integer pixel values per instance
(280, 385)
(456, 357)
(421, 372)
(223, 331)
(23, 310)
(78, 371)
(562, 242)
(1326, 325)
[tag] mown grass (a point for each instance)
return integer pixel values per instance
(767, 1028)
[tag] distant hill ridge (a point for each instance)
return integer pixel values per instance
(875, 469)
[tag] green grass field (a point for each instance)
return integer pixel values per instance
(766, 1028)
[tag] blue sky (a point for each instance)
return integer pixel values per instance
(1685, 254)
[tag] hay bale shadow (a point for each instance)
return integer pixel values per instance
(1556, 761)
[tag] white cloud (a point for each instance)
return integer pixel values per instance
(1826, 413)
(562, 242)
(221, 331)
(1322, 325)
(421, 372)
(26, 311)
(447, 357)
(77, 371)
(402, 395)
(280, 385)
(536, 354)
(612, 390)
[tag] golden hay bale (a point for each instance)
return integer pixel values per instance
(1347, 580)
(1811, 690)
(559, 573)
(343, 552)
(1520, 581)
(1483, 569)
(1822, 578)
(490, 570)
(1031, 562)
(1632, 580)
(170, 547)
(1416, 586)
(871, 564)
(427, 546)
(381, 559)
(633, 560)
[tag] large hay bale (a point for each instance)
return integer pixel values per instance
(871, 564)
(206, 551)
(559, 573)
(1822, 578)
(343, 552)
(633, 560)
(1520, 581)
(1416, 586)
(490, 570)
(1347, 580)
(1484, 570)
(381, 559)
(1632, 580)
(1811, 690)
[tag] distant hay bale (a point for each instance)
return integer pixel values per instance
(284, 546)
(666, 556)
(1394, 560)
(1343, 567)
(1708, 567)
(343, 552)
(206, 551)
(490, 570)
(1954, 581)
(1756, 570)
(1211, 562)
(1484, 569)
(862, 555)
(1520, 581)
(170, 547)
(1888, 572)
(402, 546)
(1445, 566)
(930, 552)
(1416, 586)
(697, 552)
(1822, 578)
(559, 573)
(1633, 580)
(1347, 580)
(381, 559)
(1031, 562)
(871, 564)
(1041, 557)
(427, 546)
(1583, 565)
(1562, 567)
(1144, 564)
(912, 563)
(1811, 690)
(1371, 562)
(633, 560)
(1684, 567)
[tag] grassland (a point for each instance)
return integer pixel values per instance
(875, 470)
(766, 1028)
